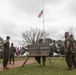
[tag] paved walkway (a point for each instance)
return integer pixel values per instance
(17, 64)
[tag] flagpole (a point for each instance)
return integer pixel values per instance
(43, 21)
(43, 18)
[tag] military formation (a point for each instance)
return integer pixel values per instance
(70, 47)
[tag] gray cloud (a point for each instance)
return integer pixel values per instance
(72, 7)
(32, 6)
(17, 16)
(8, 27)
(27, 6)
(54, 2)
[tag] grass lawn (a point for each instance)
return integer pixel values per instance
(58, 68)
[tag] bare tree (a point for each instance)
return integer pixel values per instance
(71, 30)
(33, 36)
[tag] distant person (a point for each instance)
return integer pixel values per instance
(6, 52)
(11, 53)
(38, 58)
(73, 51)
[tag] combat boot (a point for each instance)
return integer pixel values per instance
(5, 68)
(69, 69)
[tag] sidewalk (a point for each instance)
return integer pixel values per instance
(17, 64)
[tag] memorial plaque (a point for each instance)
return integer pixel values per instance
(34, 50)
(39, 49)
(44, 49)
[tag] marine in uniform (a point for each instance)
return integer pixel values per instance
(73, 51)
(6, 52)
(38, 58)
(11, 53)
(68, 51)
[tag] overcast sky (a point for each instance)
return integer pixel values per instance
(17, 16)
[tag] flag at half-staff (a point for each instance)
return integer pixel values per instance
(40, 14)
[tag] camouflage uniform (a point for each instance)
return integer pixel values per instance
(44, 60)
(68, 54)
(68, 51)
(73, 51)
(6, 54)
(11, 53)
(38, 58)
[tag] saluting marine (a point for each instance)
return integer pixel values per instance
(6, 52)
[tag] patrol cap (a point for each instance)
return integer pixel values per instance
(40, 40)
(66, 34)
(71, 35)
(11, 44)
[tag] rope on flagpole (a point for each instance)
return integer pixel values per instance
(43, 21)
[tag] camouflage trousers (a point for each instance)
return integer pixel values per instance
(70, 59)
(38, 59)
(73, 60)
(11, 57)
(5, 59)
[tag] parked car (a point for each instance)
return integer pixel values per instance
(23, 55)
(56, 55)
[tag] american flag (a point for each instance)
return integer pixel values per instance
(40, 14)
